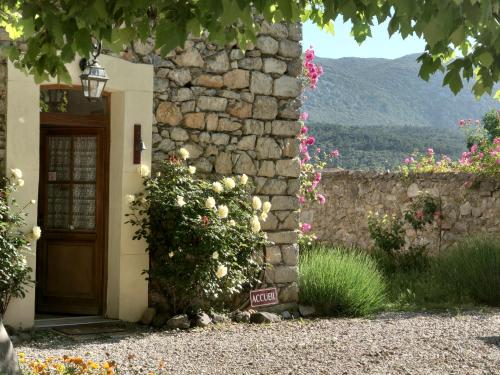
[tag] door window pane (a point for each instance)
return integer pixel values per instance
(59, 158)
(58, 206)
(83, 206)
(84, 158)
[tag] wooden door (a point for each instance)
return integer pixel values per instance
(73, 215)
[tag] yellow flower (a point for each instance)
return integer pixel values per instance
(256, 203)
(222, 211)
(217, 187)
(210, 203)
(143, 170)
(229, 183)
(183, 153)
(255, 224)
(192, 169)
(243, 179)
(221, 271)
(232, 223)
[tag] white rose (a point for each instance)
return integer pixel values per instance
(180, 201)
(232, 222)
(210, 203)
(222, 211)
(192, 169)
(263, 216)
(33, 201)
(229, 183)
(20, 182)
(36, 232)
(130, 198)
(24, 261)
(143, 170)
(221, 271)
(217, 187)
(255, 224)
(215, 255)
(243, 179)
(171, 254)
(256, 203)
(183, 153)
(16, 173)
(266, 207)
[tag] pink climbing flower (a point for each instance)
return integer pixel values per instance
(317, 177)
(430, 151)
(305, 227)
(304, 116)
(303, 130)
(335, 154)
(473, 149)
(321, 198)
(310, 140)
(496, 141)
(302, 199)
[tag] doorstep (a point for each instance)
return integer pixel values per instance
(68, 321)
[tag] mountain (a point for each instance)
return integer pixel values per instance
(367, 92)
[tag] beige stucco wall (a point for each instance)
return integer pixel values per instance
(131, 87)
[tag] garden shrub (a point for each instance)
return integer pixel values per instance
(14, 270)
(204, 238)
(338, 281)
(471, 270)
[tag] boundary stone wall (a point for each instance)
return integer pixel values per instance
(471, 205)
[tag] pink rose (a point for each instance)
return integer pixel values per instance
(321, 198)
(430, 151)
(305, 227)
(303, 130)
(304, 116)
(301, 199)
(310, 140)
(473, 149)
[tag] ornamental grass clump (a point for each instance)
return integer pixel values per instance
(204, 238)
(339, 281)
(470, 270)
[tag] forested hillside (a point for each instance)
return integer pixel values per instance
(383, 147)
(367, 92)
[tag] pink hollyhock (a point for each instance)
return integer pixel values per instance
(304, 116)
(303, 130)
(461, 123)
(430, 151)
(310, 140)
(496, 141)
(473, 149)
(305, 227)
(335, 153)
(317, 177)
(321, 198)
(303, 148)
(302, 199)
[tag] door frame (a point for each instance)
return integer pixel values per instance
(71, 121)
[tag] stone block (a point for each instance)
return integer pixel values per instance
(295, 31)
(289, 293)
(285, 274)
(166, 145)
(239, 109)
(228, 125)
(236, 54)
(267, 168)
(267, 45)
(203, 165)
(291, 147)
(194, 150)
(273, 255)
(209, 80)
(218, 63)
(179, 134)
(261, 83)
(294, 68)
(244, 164)
(291, 222)
(195, 120)
(188, 106)
(180, 76)
(237, 79)
(168, 113)
(285, 128)
(212, 121)
(283, 237)
(209, 103)
(284, 202)
(413, 190)
(276, 30)
(290, 48)
(247, 143)
(288, 167)
(223, 163)
(274, 187)
(190, 58)
(250, 63)
(265, 107)
(220, 139)
(252, 126)
(289, 109)
(287, 87)
(290, 254)
(267, 148)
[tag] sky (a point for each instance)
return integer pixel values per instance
(342, 44)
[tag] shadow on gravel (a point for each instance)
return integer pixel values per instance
(491, 340)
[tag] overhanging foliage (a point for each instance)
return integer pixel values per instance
(56, 30)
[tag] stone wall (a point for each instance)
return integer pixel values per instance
(235, 112)
(470, 205)
(4, 38)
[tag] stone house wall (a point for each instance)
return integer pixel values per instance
(4, 38)
(351, 195)
(236, 112)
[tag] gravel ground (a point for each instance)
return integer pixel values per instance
(390, 343)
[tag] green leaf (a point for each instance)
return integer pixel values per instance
(485, 58)
(453, 80)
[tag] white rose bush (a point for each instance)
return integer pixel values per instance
(15, 273)
(204, 237)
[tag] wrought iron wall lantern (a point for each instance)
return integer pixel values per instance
(94, 76)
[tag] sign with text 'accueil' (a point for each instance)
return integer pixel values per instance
(264, 297)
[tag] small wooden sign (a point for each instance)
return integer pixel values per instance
(264, 297)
